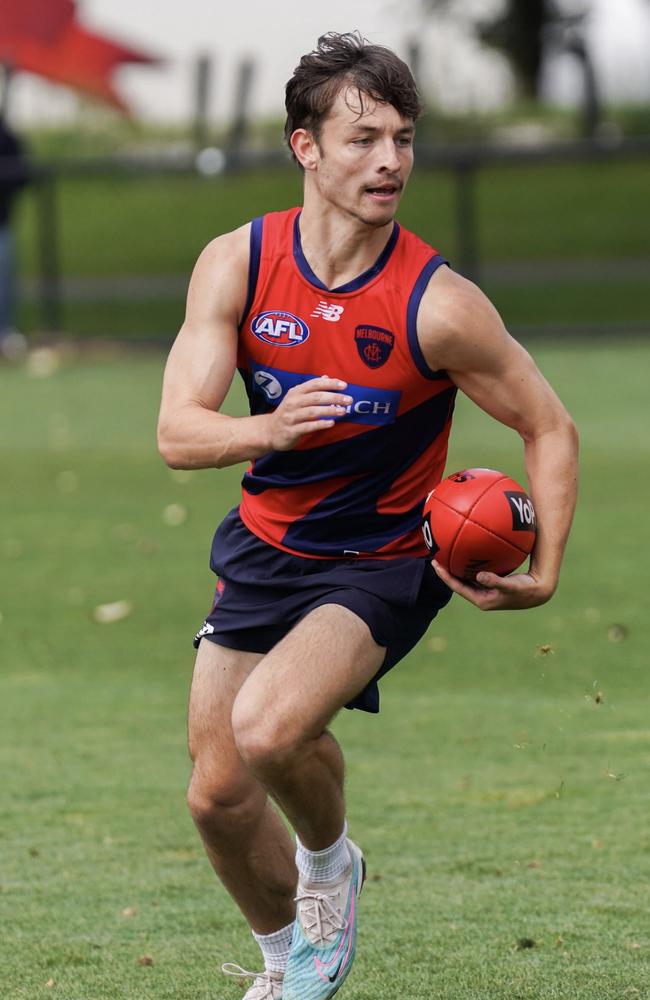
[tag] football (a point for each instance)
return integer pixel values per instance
(479, 519)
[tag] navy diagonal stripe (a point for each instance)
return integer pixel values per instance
(348, 517)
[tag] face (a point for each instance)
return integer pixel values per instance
(362, 159)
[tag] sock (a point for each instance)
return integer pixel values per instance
(326, 865)
(275, 948)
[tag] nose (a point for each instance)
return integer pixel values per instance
(388, 160)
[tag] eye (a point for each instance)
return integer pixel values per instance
(361, 142)
(405, 140)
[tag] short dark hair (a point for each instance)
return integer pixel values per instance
(340, 59)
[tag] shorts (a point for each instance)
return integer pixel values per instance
(262, 592)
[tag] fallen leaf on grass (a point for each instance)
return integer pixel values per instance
(43, 362)
(129, 911)
(174, 515)
(145, 960)
(50, 983)
(106, 614)
(545, 650)
(181, 475)
(526, 942)
(617, 633)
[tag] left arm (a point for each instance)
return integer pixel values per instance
(460, 330)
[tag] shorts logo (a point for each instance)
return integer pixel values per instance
(523, 512)
(283, 329)
(374, 345)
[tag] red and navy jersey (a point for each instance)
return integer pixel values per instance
(357, 488)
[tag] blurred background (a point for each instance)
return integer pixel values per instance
(145, 131)
(514, 749)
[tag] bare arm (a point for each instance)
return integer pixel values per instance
(460, 330)
(192, 434)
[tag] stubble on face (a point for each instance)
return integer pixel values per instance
(366, 157)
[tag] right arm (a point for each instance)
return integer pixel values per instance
(192, 434)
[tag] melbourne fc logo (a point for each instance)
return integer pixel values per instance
(374, 345)
(280, 328)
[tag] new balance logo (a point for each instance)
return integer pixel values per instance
(327, 311)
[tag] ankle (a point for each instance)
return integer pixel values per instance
(275, 949)
(326, 865)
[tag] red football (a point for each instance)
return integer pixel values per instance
(479, 519)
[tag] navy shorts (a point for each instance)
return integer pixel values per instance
(262, 592)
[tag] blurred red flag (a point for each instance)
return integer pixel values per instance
(44, 37)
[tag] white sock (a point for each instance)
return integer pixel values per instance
(275, 948)
(326, 865)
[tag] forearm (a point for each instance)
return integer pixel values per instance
(552, 468)
(193, 437)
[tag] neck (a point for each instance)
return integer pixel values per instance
(338, 246)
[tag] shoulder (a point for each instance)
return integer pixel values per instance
(220, 275)
(230, 251)
(457, 323)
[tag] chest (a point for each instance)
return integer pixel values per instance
(360, 338)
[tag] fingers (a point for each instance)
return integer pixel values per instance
(480, 596)
(311, 406)
(496, 593)
(320, 399)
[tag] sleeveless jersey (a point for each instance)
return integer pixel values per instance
(358, 488)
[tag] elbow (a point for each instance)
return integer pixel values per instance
(169, 450)
(571, 431)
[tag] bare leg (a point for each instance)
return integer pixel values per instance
(248, 845)
(282, 709)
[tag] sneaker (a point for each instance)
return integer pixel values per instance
(266, 985)
(324, 934)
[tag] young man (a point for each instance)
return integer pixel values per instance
(352, 338)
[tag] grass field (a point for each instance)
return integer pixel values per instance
(501, 796)
(132, 225)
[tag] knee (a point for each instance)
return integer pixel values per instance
(223, 802)
(265, 740)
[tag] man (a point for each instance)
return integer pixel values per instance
(352, 337)
(14, 175)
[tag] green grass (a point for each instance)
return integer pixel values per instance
(501, 796)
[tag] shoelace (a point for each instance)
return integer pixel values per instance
(231, 969)
(320, 917)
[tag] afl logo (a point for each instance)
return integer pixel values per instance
(280, 328)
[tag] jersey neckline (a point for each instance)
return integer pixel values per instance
(349, 286)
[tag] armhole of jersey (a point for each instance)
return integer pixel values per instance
(257, 226)
(412, 318)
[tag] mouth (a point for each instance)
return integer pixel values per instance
(383, 192)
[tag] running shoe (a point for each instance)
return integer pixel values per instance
(266, 985)
(324, 934)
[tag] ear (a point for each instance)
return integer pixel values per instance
(305, 148)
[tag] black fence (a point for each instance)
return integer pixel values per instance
(463, 163)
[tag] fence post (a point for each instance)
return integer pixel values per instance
(241, 110)
(202, 89)
(466, 224)
(48, 251)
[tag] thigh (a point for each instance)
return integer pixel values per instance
(218, 676)
(321, 664)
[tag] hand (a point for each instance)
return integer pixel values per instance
(311, 406)
(498, 593)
